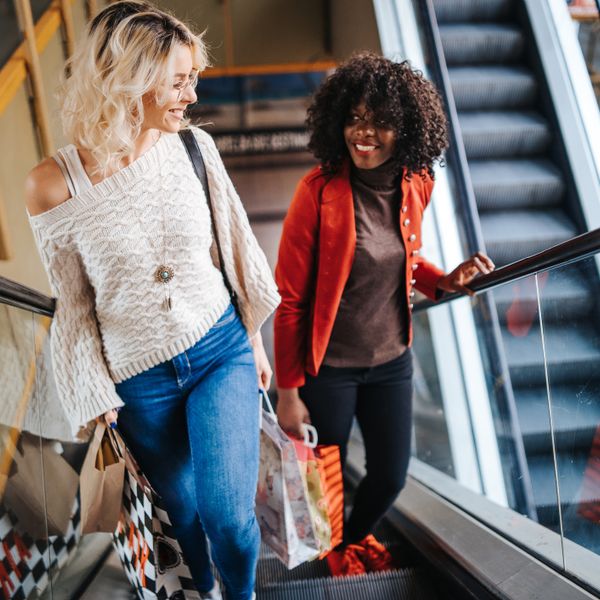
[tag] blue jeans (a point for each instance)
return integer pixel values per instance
(192, 424)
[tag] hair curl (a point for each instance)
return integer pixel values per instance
(393, 92)
(126, 54)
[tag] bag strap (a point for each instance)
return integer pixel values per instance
(193, 150)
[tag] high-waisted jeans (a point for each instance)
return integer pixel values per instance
(192, 424)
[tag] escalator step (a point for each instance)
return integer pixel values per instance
(564, 294)
(575, 414)
(572, 353)
(516, 184)
(481, 43)
(472, 10)
(514, 234)
(493, 87)
(400, 585)
(499, 134)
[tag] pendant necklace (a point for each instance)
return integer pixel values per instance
(165, 272)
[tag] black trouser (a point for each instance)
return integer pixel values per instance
(381, 399)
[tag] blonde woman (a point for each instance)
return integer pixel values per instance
(144, 321)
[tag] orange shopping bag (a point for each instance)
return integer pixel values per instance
(589, 502)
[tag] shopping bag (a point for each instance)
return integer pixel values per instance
(283, 506)
(589, 502)
(322, 472)
(41, 487)
(101, 482)
(150, 554)
(26, 565)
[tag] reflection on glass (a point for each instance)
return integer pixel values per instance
(38, 481)
(572, 345)
(522, 339)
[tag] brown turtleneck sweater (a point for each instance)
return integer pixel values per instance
(370, 327)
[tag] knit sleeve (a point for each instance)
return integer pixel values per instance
(245, 262)
(84, 385)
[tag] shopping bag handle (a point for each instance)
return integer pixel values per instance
(311, 437)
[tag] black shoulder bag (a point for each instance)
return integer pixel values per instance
(193, 150)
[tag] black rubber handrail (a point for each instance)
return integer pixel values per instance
(21, 296)
(574, 249)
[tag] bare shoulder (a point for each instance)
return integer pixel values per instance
(45, 187)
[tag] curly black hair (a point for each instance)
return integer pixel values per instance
(396, 94)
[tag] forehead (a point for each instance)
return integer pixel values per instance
(181, 61)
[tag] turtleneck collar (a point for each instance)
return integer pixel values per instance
(383, 177)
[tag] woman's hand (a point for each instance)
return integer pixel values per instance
(457, 280)
(110, 418)
(263, 368)
(291, 411)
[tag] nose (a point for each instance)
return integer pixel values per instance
(189, 95)
(366, 128)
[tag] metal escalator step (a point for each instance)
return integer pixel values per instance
(512, 235)
(404, 584)
(571, 467)
(572, 353)
(498, 134)
(575, 414)
(564, 295)
(472, 10)
(493, 87)
(466, 43)
(516, 184)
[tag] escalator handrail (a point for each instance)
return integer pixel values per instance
(577, 248)
(21, 296)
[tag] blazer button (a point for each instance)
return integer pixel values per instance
(411, 295)
(411, 306)
(406, 222)
(404, 208)
(415, 267)
(413, 281)
(415, 252)
(412, 237)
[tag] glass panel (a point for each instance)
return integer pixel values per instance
(23, 524)
(572, 344)
(10, 34)
(481, 404)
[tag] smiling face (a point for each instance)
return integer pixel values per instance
(370, 141)
(178, 94)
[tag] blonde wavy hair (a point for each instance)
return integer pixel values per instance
(126, 54)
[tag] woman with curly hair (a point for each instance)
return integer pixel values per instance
(145, 320)
(349, 259)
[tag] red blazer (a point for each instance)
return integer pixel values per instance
(315, 257)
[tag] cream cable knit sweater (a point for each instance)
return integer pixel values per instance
(101, 250)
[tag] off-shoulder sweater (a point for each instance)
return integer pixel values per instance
(101, 249)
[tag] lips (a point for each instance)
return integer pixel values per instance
(177, 112)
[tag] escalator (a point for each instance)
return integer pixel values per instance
(527, 201)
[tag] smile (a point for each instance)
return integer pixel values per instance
(363, 148)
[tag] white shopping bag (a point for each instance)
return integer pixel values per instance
(282, 505)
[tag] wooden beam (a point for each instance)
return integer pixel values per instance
(270, 69)
(35, 75)
(69, 28)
